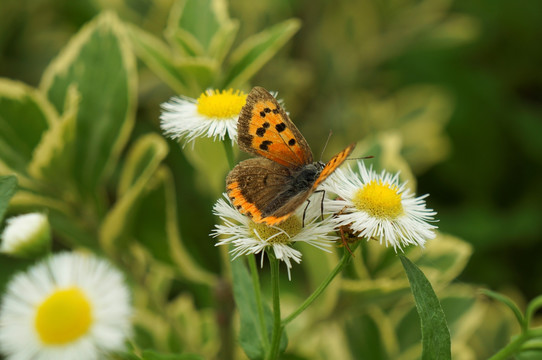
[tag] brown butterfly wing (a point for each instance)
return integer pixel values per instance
(259, 187)
(265, 129)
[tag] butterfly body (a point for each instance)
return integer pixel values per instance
(271, 187)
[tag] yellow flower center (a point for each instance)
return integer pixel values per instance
(291, 227)
(63, 317)
(221, 105)
(379, 200)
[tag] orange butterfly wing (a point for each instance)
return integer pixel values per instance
(333, 164)
(265, 129)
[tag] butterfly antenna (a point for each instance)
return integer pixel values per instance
(325, 145)
(361, 158)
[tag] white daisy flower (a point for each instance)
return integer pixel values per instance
(247, 237)
(27, 235)
(378, 206)
(214, 114)
(69, 306)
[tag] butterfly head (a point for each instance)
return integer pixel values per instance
(306, 176)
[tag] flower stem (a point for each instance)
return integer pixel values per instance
(228, 148)
(277, 326)
(258, 296)
(345, 259)
(513, 347)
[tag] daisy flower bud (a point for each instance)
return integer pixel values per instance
(26, 236)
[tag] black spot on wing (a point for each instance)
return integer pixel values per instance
(265, 145)
(291, 142)
(280, 127)
(260, 132)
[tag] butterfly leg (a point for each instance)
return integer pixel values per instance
(345, 231)
(304, 212)
(321, 202)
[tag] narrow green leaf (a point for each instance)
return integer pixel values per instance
(223, 40)
(200, 18)
(207, 157)
(157, 55)
(8, 186)
(436, 344)
(155, 227)
(142, 161)
(24, 115)
(52, 160)
(367, 336)
(100, 63)
(506, 301)
(255, 51)
(202, 70)
(184, 43)
(250, 335)
(153, 355)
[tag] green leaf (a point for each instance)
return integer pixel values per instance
(250, 335)
(8, 186)
(99, 62)
(157, 56)
(366, 335)
(155, 227)
(255, 51)
(52, 160)
(184, 43)
(142, 161)
(223, 40)
(24, 115)
(153, 355)
(198, 18)
(201, 70)
(208, 158)
(436, 342)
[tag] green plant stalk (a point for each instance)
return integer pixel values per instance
(338, 268)
(277, 326)
(515, 346)
(258, 296)
(228, 148)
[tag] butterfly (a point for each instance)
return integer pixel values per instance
(270, 187)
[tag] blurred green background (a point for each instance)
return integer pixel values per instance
(460, 80)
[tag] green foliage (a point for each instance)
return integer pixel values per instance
(253, 337)
(193, 57)
(106, 87)
(153, 355)
(402, 80)
(8, 186)
(435, 334)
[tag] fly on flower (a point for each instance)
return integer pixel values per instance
(213, 114)
(248, 237)
(378, 206)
